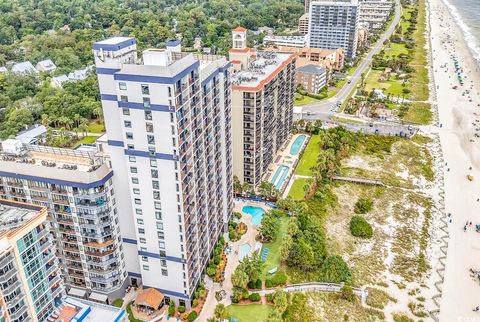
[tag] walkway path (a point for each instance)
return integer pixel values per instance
(313, 287)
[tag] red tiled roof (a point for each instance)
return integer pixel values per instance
(239, 29)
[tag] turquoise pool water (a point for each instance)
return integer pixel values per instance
(297, 144)
(244, 251)
(255, 212)
(279, 176)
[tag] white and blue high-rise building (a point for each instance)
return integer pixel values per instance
(167, 117)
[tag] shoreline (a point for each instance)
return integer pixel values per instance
(457, 111)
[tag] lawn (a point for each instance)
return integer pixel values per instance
(94, 127)
(130, 314)
(309, 157)
(117, 303)
(419, 81)
(390, 86)
(418, 113)
(304, 100)
(334, 90)
(274, 258)
(396, 49)
(249, 313)
(296, 191)
(85, 140)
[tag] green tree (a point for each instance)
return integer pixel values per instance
(221, 312)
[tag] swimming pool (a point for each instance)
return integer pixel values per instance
(297, 144)
(279, 176)
(255, 212)
(244, 251)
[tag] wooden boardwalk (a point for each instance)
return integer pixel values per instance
(360, 180)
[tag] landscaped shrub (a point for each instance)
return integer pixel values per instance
(255, 284)
(363, 205)
(195, 303)
(258, 284)
(171, 308)
(192, 316)
(279, 278)
(269, 297)
(359, 227)
(335, 270)
(254, 297)
(181, 309)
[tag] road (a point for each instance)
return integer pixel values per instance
(325, 107)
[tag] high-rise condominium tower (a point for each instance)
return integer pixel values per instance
(167, 117)
(334, 24)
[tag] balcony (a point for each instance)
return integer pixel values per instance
(102, 253)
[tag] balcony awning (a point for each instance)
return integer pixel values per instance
(77, 292)
(98, 297)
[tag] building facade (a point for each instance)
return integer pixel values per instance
(313, 78)
(334, 24)
(30, 284)
(76, 188)
(374, 13)
(303, 24)
(292, 41)
(167, 119)
(263, 88)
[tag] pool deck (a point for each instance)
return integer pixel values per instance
(232, 260)
(284, 157)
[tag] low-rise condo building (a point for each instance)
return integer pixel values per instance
(374, 13)
(83, 214)
(30, 284)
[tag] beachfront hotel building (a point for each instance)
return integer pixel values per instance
(76, 189)
(374, 13)
(168, 118)
(334, 24)
(263, 87)
(30, 284)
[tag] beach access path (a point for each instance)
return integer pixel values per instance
(457, 113)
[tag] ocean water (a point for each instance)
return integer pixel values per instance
(467, 16)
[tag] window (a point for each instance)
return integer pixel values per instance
(132, 158)
(154, 173)
(163, 253)
(122, 86)
(155, 184)
(161, 235)
(148, 115)
(169, 92)
(145, 258)
(153, 163)
(157, 205)
(156, 195)
(150, 139)
(138, 201)
(127, 124)
(164, 272)
(133, 170)
(158, 215)
(130, 147)
(136, 191)
(140, 221)
(145, 267)
(134, 180)
(161, 244)
(124, 98)
(163, 263)
(141, 231)
(149, 127)
(129, 135)
(126, 111)
(145, 89)
(160, 225)
(138, 211)
(142, 240)
(146, 102)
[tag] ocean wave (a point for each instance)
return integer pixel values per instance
(468, 36)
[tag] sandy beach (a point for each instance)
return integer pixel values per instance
(458, 122)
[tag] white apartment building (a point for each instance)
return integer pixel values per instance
(290, 41)
(76, 188)
(167, 118)
(334, 24)
(374, 13)
(30, 282)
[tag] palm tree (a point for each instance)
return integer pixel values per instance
(221, 312)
